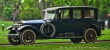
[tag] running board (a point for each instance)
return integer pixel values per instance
(11, 34)
(71, 37)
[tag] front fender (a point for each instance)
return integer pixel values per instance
(9, 28)
(28, 27)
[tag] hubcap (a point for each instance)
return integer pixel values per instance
(48, 29)
(14, 38)
(91, 35)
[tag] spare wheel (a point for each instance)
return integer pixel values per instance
(48, 29)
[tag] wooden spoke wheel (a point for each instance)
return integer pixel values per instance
(28, 37)
(90, 35)
(14, 40)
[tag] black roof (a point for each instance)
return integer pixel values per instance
(66, 7)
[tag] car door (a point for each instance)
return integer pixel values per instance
(77, 23)
(82, 18)
(63, 23)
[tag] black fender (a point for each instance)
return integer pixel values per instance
(98, 30)
(20, 29)
(9, 28)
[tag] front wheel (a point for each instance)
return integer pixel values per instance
(14, 40)
(27, 37)
(90, 35)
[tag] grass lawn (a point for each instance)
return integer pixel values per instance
(81, 46)
(106, 36)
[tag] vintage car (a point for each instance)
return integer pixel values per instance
(71, 22)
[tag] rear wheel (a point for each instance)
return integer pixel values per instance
(14, 40)
(27, 37)
(90, 35)
(76, 40)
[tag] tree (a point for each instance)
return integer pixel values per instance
(32, 9)
(42, 6)
(29, 10)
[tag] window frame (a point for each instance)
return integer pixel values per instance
(89, 13)
(81, 13)
(60, 14)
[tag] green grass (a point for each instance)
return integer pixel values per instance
(81, 46)
(106, 36)
(6, 23)
(3, 39)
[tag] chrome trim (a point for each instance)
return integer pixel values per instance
(11, 34)
(8, 27)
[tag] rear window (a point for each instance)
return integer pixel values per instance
(88, 13)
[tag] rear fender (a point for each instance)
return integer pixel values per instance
(101, 24)
(95, 27)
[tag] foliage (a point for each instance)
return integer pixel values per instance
(29, 10)
(32, 9)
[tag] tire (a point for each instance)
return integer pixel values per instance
(76, 40)
(14, 40)
(27, 37)
(90, 35)
(48, 30)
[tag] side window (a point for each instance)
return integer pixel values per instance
(65, 14)
(76, 14)
(88, 13)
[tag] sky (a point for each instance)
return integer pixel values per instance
(39, 0)
(22, 1)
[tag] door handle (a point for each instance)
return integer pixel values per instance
(72, 20)
(60, 20)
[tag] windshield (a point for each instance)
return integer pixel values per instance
(49, 15)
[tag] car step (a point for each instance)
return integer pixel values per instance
(11, 34)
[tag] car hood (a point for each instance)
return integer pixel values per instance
(33, 21)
